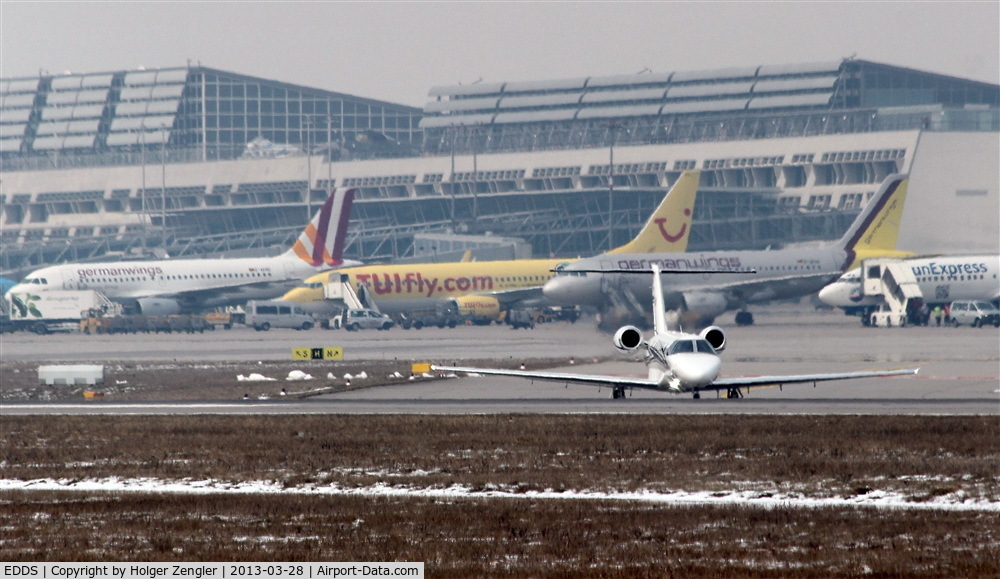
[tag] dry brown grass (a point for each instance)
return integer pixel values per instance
(919, 457)
(502, 537)
(914, 455)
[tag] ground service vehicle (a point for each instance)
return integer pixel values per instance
(521, 318)
(443, 316)
(99, 321)
(974, 313)
(225, 319)
(55, 310)
(266, 314)
(354, 320)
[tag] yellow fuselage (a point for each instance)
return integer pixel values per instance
(400, 288)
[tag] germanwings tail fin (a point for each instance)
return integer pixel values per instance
(876, 229)
(322, 241)
(668, 227)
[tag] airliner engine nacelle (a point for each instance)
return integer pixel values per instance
(158, 307)
(628, 338)
(479, 309)
(714, 336)
(705, 304)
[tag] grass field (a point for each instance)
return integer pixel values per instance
(538, 495)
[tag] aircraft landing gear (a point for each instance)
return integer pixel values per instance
(618, 392)
(744, 318)
(734, 393)
(697, 395)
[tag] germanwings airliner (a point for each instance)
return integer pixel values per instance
(487, 287)
(182, 285)
(781, 274)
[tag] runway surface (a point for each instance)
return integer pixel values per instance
(960, 368)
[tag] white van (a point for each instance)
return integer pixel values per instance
(354, 320)
(264, 315)
(974, 313)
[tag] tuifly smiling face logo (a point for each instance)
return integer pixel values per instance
(672, 238)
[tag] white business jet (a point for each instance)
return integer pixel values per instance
(676, 361)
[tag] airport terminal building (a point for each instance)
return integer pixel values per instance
(195, 161)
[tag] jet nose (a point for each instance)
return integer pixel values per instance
(831, 294)
(17, 289)
(297, 295)
(556, 289)
(571, 289)
(695, 370)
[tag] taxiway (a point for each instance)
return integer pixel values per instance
(960, 368)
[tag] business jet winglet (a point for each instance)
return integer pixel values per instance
(676, 362)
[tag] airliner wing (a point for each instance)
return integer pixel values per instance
(753, 381)
(564, 377)
(754, 290)
(517, 296)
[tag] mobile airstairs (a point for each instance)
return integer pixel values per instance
(338, 288)
(893, 280)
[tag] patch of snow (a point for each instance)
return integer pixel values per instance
(254, 377)
(875, 499)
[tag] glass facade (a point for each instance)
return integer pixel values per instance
(195, 113)
(223, 112)
(849, 96)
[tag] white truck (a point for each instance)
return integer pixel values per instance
(54, 310)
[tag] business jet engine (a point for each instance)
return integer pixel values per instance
(628, 338)
(158, 307)
(714, 336)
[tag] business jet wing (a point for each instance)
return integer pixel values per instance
(755, 381)
(564, 377)
(645, 383)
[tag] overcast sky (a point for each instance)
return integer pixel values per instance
(396, 51)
